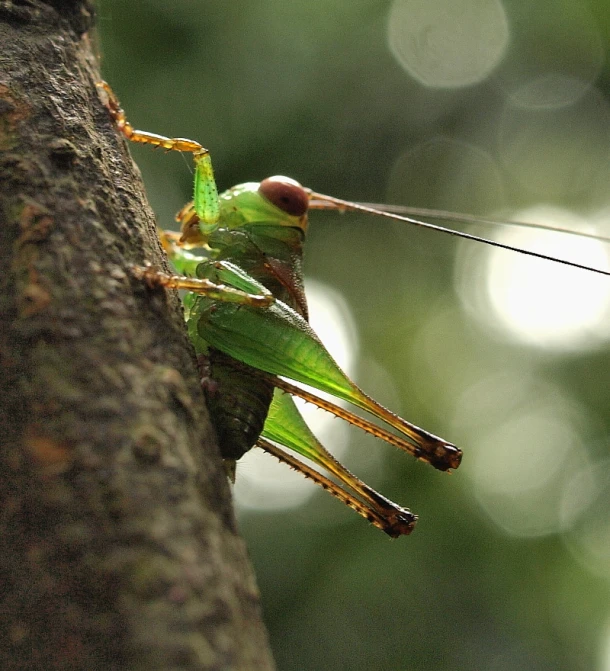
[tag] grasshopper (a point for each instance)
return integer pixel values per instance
(247, 318)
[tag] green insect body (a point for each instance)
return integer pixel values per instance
(247, 318)
(241, 340)
(268, 253)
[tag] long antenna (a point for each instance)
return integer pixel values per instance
(446, 215)
(319, 201)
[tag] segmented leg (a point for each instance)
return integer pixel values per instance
(170, 241)
(189, 227)
(205, 194)
(201, 286)
(378, 510)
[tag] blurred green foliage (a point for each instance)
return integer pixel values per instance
(313, 91)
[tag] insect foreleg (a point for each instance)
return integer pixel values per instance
(133, 135)
(205, 193)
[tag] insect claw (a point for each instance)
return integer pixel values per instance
(138, 272)
(402, 524)
(148, 273)
(444, 457)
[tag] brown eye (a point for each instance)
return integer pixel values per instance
(285, 193)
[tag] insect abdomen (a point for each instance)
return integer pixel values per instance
(239, 402)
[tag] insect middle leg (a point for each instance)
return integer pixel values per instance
(202, 286)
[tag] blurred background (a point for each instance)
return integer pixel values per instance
(478, 106)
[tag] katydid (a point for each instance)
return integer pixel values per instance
(246, 316)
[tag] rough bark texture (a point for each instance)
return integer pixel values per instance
(118, 547)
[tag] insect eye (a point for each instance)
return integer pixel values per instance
(285, 193)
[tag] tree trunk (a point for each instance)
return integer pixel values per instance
(118, 546)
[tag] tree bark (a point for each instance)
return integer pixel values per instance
(118, 546)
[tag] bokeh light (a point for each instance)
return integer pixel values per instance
(584, 508)
(565, 69)
(447, 173)
(448, 43)
(536, 301)
(520, 466)
(556, 151)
